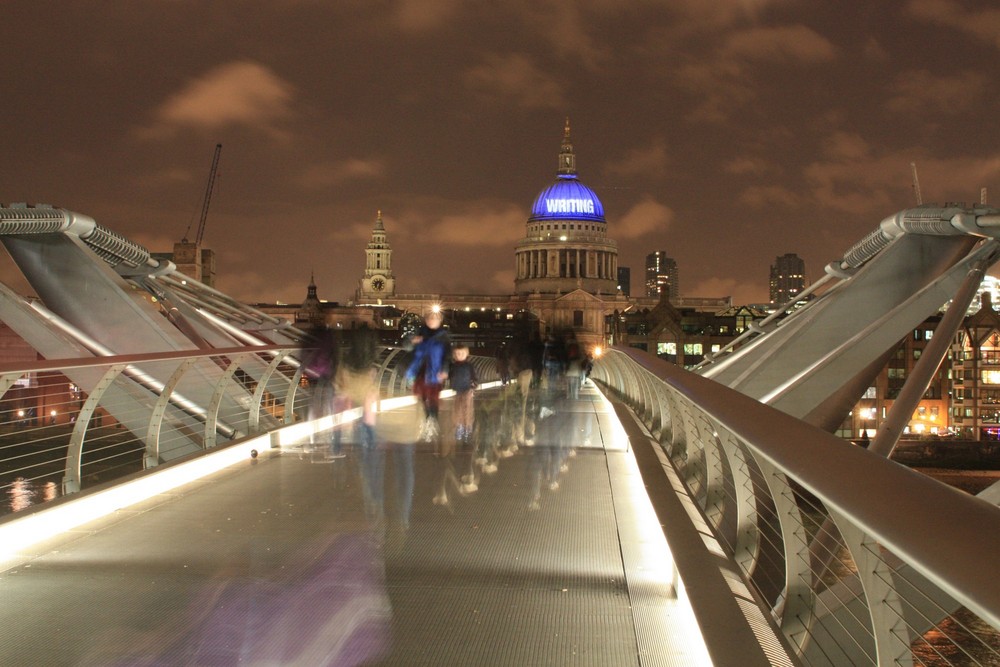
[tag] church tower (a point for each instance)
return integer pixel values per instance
(310, 312)
(378, 282)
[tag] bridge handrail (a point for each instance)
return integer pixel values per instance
(944, 535)
(133, 411)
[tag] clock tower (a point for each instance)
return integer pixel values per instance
(377, 283)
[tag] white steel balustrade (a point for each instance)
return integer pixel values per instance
(128, 420)
(54, 433)
(858, 559)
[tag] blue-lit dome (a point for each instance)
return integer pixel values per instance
(567, 199)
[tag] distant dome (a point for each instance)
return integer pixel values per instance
(567, 199)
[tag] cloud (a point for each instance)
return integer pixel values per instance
(324, 175)
(747, 166)
(723, 12)
(795, 43)
(650, 160)
(423, 15)
(856, 187)
(254, 286)
(503, 279)
(505, 227)
(921, 91)
(565, 26)
(845, 146)
(646, 217)
(983, 24)
(763, 196)
(878, 185)
(724, 78)
(741, 292)
(515, 77)
(241, 93)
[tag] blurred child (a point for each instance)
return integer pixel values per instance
(463, 381)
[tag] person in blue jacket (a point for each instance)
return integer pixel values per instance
(429, 370)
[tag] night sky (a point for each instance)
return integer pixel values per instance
(724, 132)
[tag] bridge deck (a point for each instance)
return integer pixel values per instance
(297, 559)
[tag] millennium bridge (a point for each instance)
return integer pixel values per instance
(174, 502)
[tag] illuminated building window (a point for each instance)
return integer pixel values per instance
(692, 348)
(991, 377)
(666, 348)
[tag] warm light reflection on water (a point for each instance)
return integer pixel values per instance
(22, 494)
(961, 639)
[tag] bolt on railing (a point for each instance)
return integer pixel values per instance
(858, 559)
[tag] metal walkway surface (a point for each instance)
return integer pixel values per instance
(546, 555)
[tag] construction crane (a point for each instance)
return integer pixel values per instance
(208, 199)
(916, 183)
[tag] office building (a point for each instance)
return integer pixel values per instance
(661, 275)
(788, 278)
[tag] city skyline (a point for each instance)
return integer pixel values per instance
(729, 132)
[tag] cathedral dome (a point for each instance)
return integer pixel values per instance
(567, 199)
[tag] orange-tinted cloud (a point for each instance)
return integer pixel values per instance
(951, 94)
(792, 43)
(318, 176)
(648, 160)
(241, 93)
(983, 24)
(646, 217)
(515, 79)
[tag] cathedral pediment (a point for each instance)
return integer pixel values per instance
(579, 295)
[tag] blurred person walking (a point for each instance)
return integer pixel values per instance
(462, 376)
(574, 368)
(319, 361)
(429, 370)
(355, 383)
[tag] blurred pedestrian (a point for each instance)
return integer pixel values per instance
(429, 370)
(355, 384)
(319, 362)
(462, 376)
(574, 368)
(503, 363)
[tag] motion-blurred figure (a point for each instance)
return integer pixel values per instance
(319, 360)
(356, 383)
(462, 376)
(503, 363)
(574, 368)
(429, 370)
